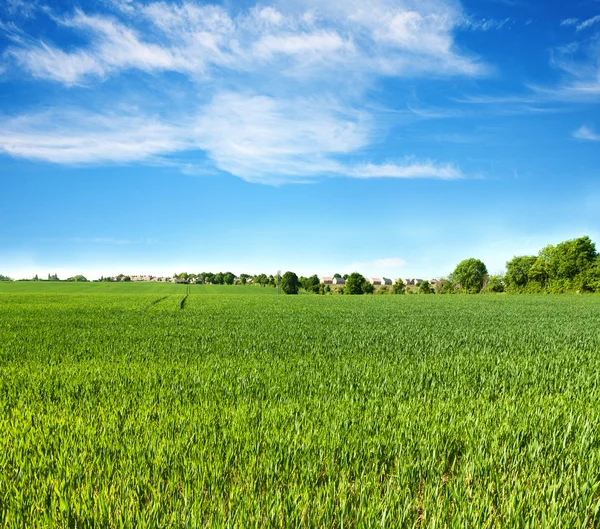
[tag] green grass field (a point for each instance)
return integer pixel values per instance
(245, 409)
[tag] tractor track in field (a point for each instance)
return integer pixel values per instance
(156, 301)
(184, 298)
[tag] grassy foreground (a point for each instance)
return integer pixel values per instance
(118, 408)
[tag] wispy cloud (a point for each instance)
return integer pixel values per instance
(245, 120)
(257, 138)
(486, 24)
(580, 25)
(427, 169)
(80, 137)
(569, 22)
(260, 138)
(586, 133)
(193, 38)
(588, 23)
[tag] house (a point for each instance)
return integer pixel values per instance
(339, 281)
(387, 281)
(433, 282)
(375, 281)
(327, 281)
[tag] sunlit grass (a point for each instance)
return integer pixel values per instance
(122, 410)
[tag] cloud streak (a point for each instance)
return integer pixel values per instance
(585, 133)
(588, 23)
(257, 138)
(275, 94)
(427, 169)
(390, 38)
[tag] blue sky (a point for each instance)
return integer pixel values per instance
(394, 137)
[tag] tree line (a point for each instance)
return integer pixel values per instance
(570, 266)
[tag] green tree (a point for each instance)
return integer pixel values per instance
(495, 284)
(337, 275)
(367, 287)
(228, 278)
(589, 281)
(539, 273)
(310, 284)
(354, 284)
(444, 286)
(289, 283)
(470, 274)
(399, 287)
(571, 258)
(425, 288)
(517, 272)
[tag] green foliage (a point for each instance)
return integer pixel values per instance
(82, 279)
(367, 288)
(398, 287)
(569, 266)
(445, 286)
(310, 284)
(517, 272)
(383, 291)
(289, 283)
(5, 278)
(495, 284)
(248, 409)
(470, 274)
(354, 284)
(425, 288)
(261, 279)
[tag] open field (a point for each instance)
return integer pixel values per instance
(118, 408)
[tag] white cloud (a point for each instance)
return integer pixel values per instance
(113, 47)
(426, 169)
(581, 25)
(585, 133)
(390, 38)
(587, 23)
(257, 138)
(47, 61)
(235, 106)
(76, 137)
(486, 24)
(316, 45)
(263, 139)
(580, 62)
(569, 22)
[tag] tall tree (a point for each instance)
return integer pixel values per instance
(354, 284)
(470, 274)
(517, 272)
(399, 287)
(289, 283)
(425, 288)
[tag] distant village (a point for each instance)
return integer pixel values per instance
(247, 279)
